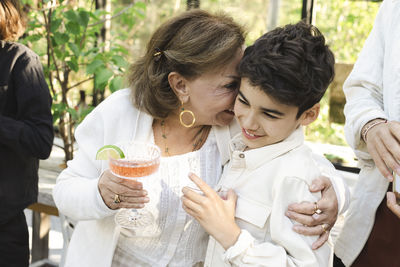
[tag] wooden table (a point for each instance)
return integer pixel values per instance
(48, 172)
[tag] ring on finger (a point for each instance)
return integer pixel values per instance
(117, 200)
(316, 209)
(324, 227)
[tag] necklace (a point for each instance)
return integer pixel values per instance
(199, 138)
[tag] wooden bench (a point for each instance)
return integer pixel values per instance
(45, 206)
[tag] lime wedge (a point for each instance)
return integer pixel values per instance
(109, 151)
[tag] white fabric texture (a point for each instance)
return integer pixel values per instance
(178, 239)
(372, 91)
(77, 196)
(267, 180)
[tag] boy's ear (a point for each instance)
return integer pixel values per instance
(310, 115)
(178, 84)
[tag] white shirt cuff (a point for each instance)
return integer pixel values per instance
(244, 241)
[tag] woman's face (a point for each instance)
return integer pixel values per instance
(212, 95)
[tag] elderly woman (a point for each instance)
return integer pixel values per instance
(26, 134)
(182, 90)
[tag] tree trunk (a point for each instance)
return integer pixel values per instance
(192, 4)
(66, 124)
(67, 135)
(104, 37)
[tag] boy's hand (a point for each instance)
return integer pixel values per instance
(217, 216)
(392, 204)
(316, 222)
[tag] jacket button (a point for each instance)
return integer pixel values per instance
(241, 155)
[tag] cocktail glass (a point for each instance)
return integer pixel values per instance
(141, 162)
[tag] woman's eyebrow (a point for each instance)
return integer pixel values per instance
(235, 77)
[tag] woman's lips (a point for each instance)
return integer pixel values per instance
(249, 135)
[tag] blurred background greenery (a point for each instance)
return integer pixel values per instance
(87, 46)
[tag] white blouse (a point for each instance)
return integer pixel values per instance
(175, 239)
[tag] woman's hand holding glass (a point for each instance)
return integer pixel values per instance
(130, 193)
(319, 217)
(215, 215)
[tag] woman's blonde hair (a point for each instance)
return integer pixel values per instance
(191, 44)
(12, 24)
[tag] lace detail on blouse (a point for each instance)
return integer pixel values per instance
(175, 239)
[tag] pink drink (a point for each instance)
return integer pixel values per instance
(141, 161)
(126, 168)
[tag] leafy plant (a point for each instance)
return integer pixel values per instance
(346, 25)
(66, 37)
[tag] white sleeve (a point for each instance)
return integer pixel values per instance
(363, 88)
(76, 193)
(341, 189)
(286, 248)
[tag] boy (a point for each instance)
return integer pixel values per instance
(284, 76)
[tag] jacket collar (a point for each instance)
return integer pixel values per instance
(143, 126)
(259, 156)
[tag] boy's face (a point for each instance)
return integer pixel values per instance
(263, 120)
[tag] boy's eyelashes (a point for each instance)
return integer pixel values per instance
(244, 102)
(270, 116)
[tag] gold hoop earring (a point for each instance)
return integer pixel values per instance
(181, 117)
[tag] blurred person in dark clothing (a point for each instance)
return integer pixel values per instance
(26, 134)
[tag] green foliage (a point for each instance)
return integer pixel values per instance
(322, 130)
(67, 39)
(116, 83)
(77, 55)
(77, 51)
(346, 25)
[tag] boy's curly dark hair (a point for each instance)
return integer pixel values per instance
(292, 64)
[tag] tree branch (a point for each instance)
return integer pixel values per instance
(47, 22)
(113, 17)
(79, 83)
(85, 30)
(50, 72)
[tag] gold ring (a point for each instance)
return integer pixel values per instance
(316, 209)
(117, 199)
(325, 227)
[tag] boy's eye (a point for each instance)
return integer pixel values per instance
(270, 116)
(243, 101)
